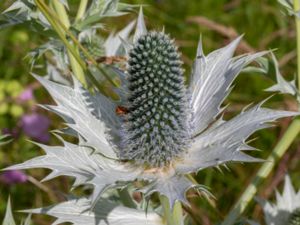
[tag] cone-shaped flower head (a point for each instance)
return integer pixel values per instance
(286, 211)
(156, 125)
(162, 129)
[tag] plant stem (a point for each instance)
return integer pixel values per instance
(60, 34)
(178, 214)
(281, 147)
(81, 9)
(63, 17)
(297, 20)
(172, 218)
(61, 12)
(70, 48)
(43, 187)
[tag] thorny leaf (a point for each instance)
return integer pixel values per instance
(105, 212)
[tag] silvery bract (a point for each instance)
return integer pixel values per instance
(105, 212)
(286, 211)
(9, 218)
(283, 86)
(161, 129)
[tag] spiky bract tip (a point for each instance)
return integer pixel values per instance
(156, 126)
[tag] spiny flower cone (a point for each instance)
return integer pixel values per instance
(156, 125)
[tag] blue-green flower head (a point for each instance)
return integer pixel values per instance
(162, 128)
(156, 126)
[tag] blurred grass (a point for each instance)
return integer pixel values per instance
(265, 27)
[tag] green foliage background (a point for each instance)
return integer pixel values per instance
(265, 27)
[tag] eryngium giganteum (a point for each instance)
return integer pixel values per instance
(160, 130)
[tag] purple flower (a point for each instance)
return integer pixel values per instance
(26, 95)
(36, 126)
(13, 177)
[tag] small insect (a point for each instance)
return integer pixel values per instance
(109, 60)
(121, 110)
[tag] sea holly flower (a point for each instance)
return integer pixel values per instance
(161, 130)
(286, 211)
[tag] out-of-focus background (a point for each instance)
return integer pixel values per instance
(265, 26)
